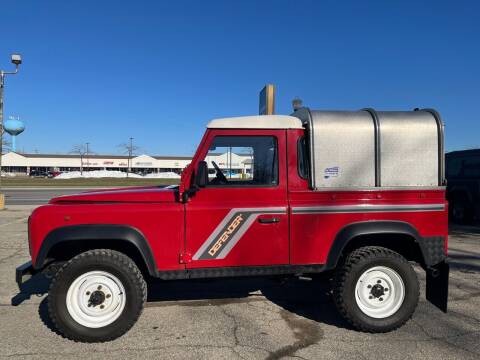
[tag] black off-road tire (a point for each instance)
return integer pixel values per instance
(110, 261)
(347, 275)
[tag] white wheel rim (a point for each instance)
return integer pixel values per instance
(96, 299)
(379, 292)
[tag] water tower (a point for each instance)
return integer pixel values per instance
(14, 126)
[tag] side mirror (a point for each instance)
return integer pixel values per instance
(201, 177)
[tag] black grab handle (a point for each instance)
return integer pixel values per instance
(268, 221)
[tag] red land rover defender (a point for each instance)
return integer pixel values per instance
(357, 193)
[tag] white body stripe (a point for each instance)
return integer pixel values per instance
(329, 209)
(244, 227)
(325, 209)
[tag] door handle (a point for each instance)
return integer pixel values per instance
(268, 220)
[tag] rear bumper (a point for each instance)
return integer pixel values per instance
(24, 272)
(437, 284)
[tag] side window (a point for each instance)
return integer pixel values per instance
(471, 167)
(243, 161)
(303, 160)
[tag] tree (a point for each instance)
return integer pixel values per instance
(129, 149)
(6, 145)
(81, 150)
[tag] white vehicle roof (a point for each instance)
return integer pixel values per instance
(257, 122)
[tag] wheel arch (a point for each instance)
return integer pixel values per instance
(398, 236)
(65, 242)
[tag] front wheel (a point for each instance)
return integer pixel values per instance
(97, 296)
(376, 290)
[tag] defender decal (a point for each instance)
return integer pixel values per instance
(230, 230)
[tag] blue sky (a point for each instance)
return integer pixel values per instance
(102, 71)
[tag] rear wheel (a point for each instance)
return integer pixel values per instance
(376, 289)
(97, 296)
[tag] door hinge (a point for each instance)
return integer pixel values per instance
(185, 258)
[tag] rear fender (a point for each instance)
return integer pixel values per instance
(432, 253)
(432, 248)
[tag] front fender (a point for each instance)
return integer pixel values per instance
(97, 232)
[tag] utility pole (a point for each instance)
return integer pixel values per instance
(17, 60)
(130, 152)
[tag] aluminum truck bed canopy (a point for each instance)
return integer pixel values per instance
(362, 149)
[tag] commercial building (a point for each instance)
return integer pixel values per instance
(27, 163)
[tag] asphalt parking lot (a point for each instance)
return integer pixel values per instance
(243, 318)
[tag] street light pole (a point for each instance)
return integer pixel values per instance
(2, 83)
(130, 152)
(17, 60)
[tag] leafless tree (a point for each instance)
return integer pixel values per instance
(81, 150)
(6, 145)
(129, 148)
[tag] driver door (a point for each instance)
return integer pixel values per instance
(239, 218)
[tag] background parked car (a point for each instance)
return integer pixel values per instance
(463, 184)
(44, 174)
(38, 173)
